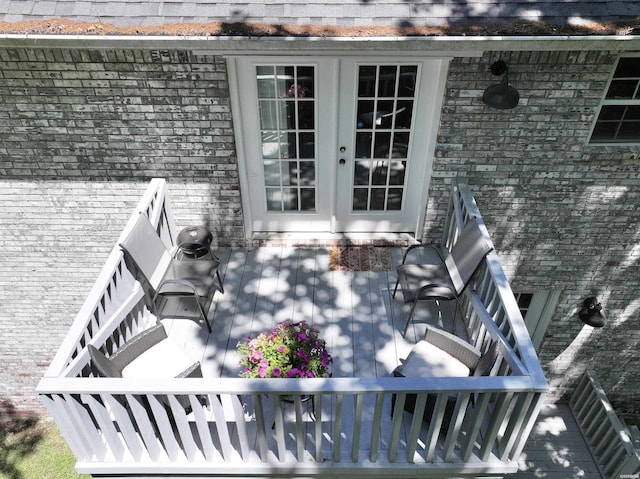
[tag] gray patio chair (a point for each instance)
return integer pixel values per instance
(441, 276)
(174, 288)
(150, 354)
(442, 354)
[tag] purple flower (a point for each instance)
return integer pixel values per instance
(276, 372)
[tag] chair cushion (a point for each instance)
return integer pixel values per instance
(164, 360)
(427, 360)
(412, 277)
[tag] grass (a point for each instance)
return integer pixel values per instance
(34, 449)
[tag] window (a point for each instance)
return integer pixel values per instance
(619, 117)
(287, 104)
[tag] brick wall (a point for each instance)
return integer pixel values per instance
(563, 215)
(81, 133)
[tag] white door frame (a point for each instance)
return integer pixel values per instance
(429, 107)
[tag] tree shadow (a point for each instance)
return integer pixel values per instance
(19, 437)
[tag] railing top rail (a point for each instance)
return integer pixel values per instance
(461, 192)
(97, 385)
(156, 188)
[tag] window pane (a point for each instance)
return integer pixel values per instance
(361, 173)
(629, 130)
(407, 85)
(612, 113)
(394, 199)
(307, 199)
(404, 112)
(274, 201)
(628, 67)
(268, 115)
(387, 81)
(272, 173)
(285, 80)
(400, 145)
(290, 173)
(360, 199)
(367, 81)
(307, 173)
(633, 113)
(382, 143)
(379, 176)
(363, 144)
(290, 199)
(621, 89)
(305, 82)
(365, 113)
(307, 145)
(385, 114)
(397, 173)
(270, 144)
(377, 199)
(306, 118)
(605, 131)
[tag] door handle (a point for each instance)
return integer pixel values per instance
(342, 161)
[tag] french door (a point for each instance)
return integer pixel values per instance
(336, 145)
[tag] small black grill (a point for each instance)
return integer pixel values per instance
(194, 242)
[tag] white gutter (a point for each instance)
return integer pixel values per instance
(264, 45)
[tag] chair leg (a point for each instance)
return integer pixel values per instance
(220, 281)
(395, 289)
(203, 314)
(406, 326)
(455, 316)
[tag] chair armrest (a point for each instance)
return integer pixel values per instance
(101, 365)
(194, 371)
(422, 246)
(137, 345)
(456, 347)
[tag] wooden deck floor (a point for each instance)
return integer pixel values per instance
(362, 325)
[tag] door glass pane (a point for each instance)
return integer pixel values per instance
(286, 101)
(384, 118)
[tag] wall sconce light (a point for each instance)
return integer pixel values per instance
(591, 313)
(501, 95)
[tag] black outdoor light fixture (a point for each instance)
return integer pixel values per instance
(501, 95)
(591, 313)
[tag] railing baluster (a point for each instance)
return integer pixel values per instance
(357, 427)
(495, 423)
(416, 425)
(374, 445)
(300, 437)
(279, 425)
(80, 435)
(221, 427)
(165, 429)
(241, 425)
(397, 419)
(261, 426)
(435, 425)
(337, 429)
(127, 429)
(456, 424)
(317, 414)
(204, 433)
(110, 435)
(184, 433)
(147, 427)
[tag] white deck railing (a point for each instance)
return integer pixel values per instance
(609, 441)
(239, 427)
